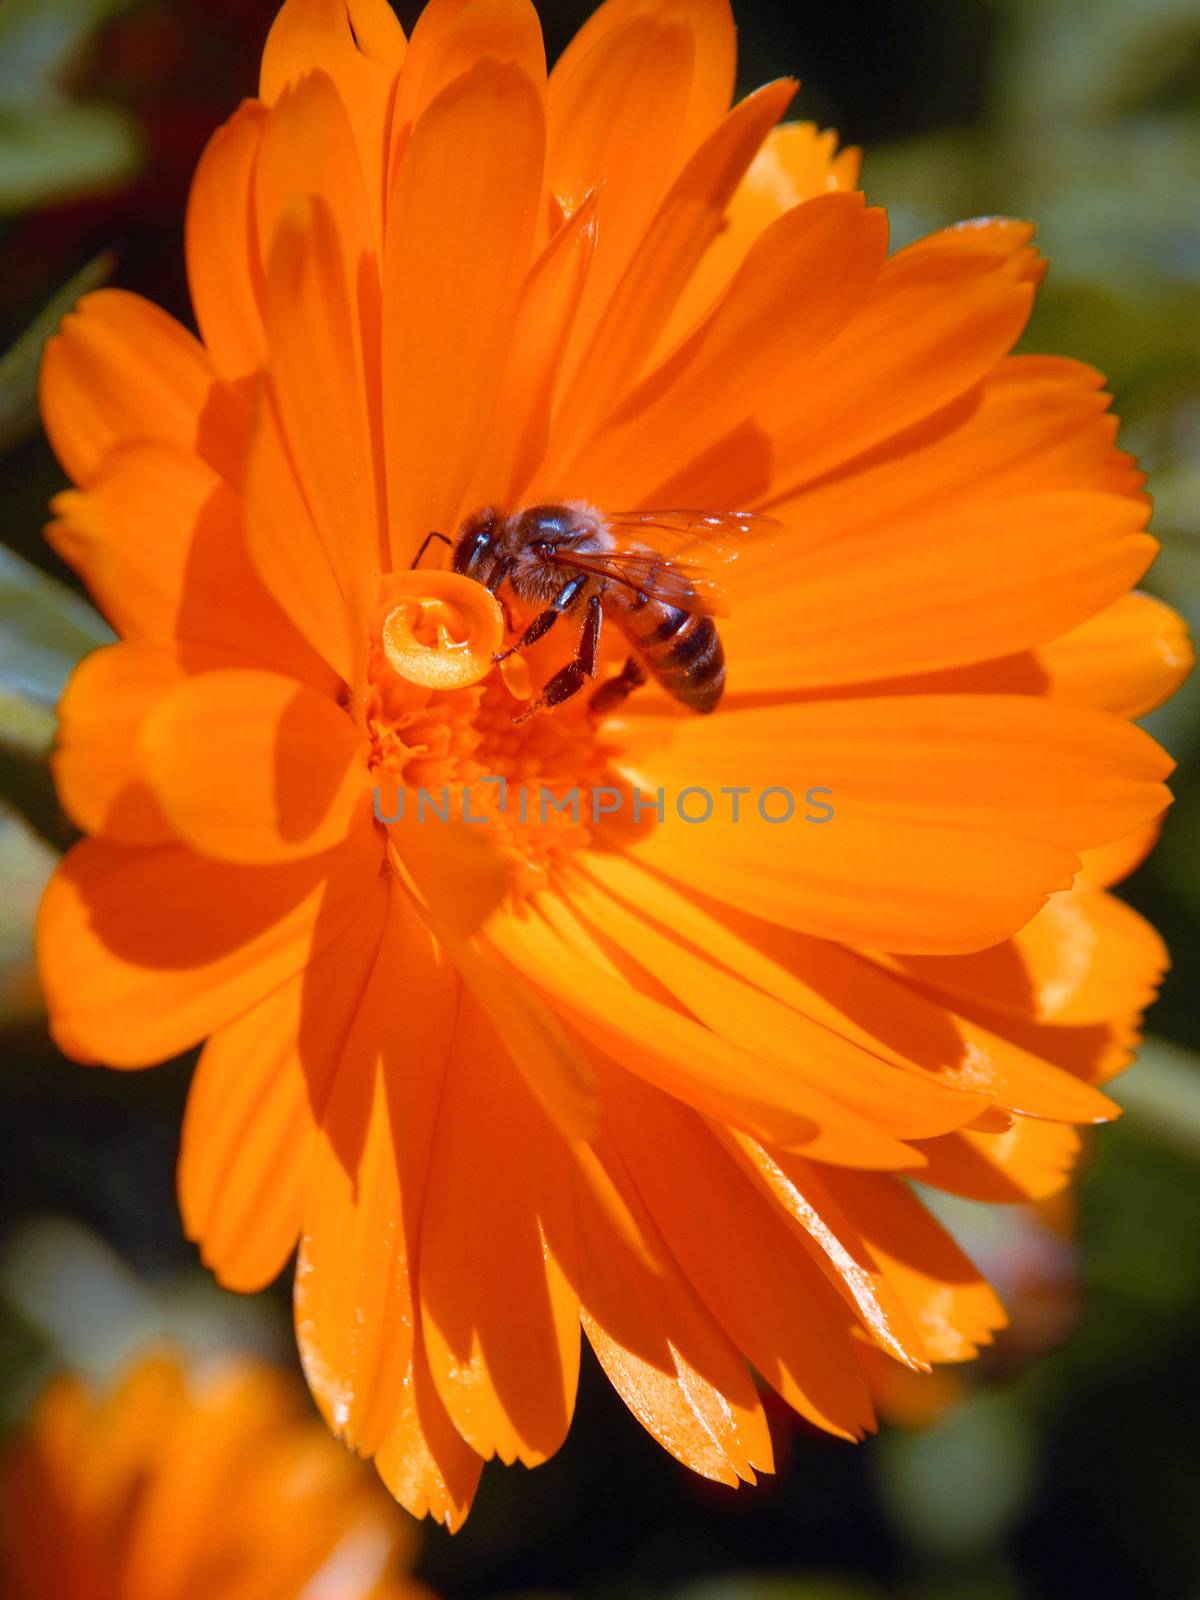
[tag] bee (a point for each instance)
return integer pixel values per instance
(647, 572)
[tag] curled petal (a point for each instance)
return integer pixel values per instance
(440, 630)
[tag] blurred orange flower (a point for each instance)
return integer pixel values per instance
(177, 1485)
(662, 1079)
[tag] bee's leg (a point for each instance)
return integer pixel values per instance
(426, 542)
(613, 693)
(589, 639)
(500, 573)
(545, 620)
(568, 680)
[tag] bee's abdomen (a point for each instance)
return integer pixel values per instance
(683, 651)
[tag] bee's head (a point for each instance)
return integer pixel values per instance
(474, 551)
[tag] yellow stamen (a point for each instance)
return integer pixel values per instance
(436, 725)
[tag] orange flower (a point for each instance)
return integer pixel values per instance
(176, 1484)
(664, 1079)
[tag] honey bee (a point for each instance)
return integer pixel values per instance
(647, 572)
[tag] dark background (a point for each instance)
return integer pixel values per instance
(1067, 1463)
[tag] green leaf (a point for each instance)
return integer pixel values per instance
(57, 151)
(50, 148)
(52, 1267)
(1078, 60)
(39, 39)
(19, 367)
(1161, 1095)
(44, 630)
(956, 1489)
(26, 862)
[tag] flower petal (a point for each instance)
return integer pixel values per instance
(298, 566)
(425, 1463)
(259, 1088)
(1128, 659)
(1085, 958)
(1035, 423)
(942, 314)
(322, 307)
(795, 1186)
(686, 222)
(343, 35)
(451, 37)
(255, 767)
(308, 152)
(464, 201)
(360, 44)
(955, 584)
(955, 816)
(223, 253)
(551, 1065)
(96, 767)
(617, 108)
(819, 1061)
(501, 1324)
(354, 1297)
(757, 1280)
(515, 442)
(797, 162)
(158, 539)
(318, 390)
(675, 1052)
(1110, 863)
(847, 994)
(144, 952)
(680, 1375)
(119, 369)
(954, 1309)
(804, 279)
(710, 24)
(1030, 1160)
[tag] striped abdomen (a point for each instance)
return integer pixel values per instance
(681, 649)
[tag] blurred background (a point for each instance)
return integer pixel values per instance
(1067, 1462)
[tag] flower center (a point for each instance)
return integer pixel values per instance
(442, 739)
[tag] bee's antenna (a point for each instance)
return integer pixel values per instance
(427, 541)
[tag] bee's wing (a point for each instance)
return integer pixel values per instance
(669, 555)
(712, 538)
(685, 584)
